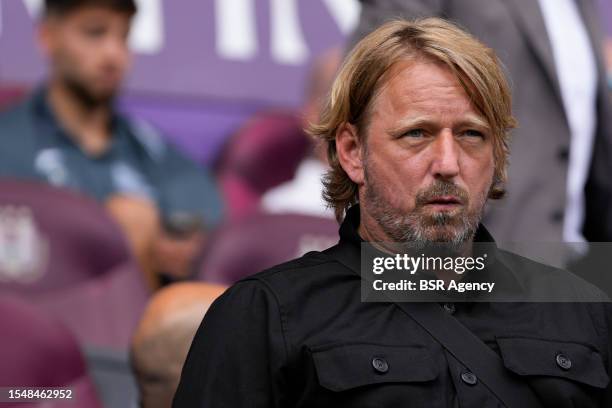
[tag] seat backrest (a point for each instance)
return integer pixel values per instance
(53, 238)
(101, 312)
(239, 195)
(258, 241)
(37, 351)
(265, 151)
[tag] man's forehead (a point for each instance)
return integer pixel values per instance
(91, 11)
(420, 82)
(421, 88)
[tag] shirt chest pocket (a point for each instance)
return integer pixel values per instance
(563, 374)
(370, 375)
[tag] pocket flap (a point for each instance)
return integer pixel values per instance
(342, 367)
(537, 357)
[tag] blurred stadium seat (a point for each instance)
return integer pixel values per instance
(54, 238)
(262, 154)
(60, 250)
(259, 241)
(37, 351)
(102, 312)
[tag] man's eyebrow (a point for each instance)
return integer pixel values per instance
(416, 122)
(476, 121)
(407, 123)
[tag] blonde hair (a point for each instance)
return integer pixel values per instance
(362, 74)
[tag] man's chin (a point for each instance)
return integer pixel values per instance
(103, 95)
(92, 95)
(445, 227)
(442, 212)
(443, 234)
(443, 219)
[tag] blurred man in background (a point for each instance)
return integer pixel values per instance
(561, 153)
(69, 134)
(163, 337)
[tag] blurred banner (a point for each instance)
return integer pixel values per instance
(236, 50)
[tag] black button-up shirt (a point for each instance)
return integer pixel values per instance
(298, 335)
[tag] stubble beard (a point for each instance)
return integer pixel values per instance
(420, 228)
(86, 96)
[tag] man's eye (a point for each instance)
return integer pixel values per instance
(95, 32)
(415, 133)
(474, 133)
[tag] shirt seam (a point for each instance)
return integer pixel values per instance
(282, 317)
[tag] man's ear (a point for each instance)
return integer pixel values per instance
(350, 151)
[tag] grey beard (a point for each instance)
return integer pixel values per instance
(416, 230)
(409, 229)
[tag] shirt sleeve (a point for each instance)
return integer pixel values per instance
(238, 353)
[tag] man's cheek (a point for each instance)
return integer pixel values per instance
(407, 204)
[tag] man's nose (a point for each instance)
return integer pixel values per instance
(445, 155)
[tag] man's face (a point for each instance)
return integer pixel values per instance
(88, 50)
(427, 159)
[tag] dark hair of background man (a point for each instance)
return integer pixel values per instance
(63, 7)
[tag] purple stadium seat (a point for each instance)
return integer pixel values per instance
(264, 153)
(62, 252)
(258, 241)
(37, 351)
(53, 238)
(240, 196)
(102, 312)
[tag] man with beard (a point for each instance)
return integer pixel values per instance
(417, 123)
(69, 134)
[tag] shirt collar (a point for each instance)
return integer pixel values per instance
(45, 117)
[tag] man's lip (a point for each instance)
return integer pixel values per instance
(445, 200)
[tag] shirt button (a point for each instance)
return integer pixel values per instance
(450, 308)
(380, 365)
(469, 378)
(563, 361)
